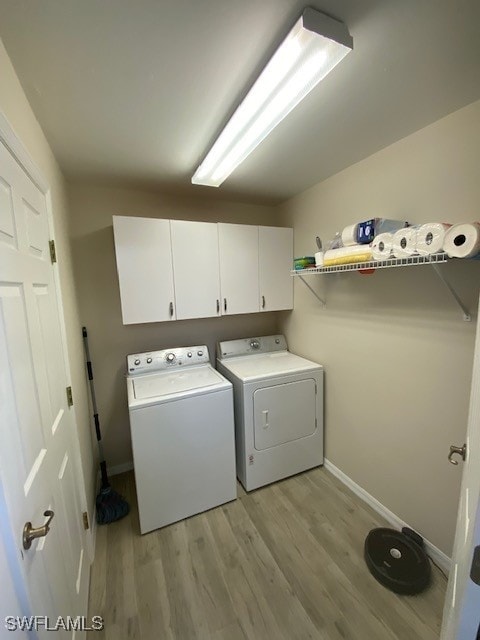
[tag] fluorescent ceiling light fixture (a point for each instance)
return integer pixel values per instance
(315, 45)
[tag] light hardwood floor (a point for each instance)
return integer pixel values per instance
(281, 563)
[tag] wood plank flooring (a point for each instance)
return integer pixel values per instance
(281, 563)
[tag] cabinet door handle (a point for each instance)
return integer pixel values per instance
(225, 304)
(218, 305)
(171, 309)
(263, 302)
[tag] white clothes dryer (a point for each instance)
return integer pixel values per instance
(278, 401)
(182, 429)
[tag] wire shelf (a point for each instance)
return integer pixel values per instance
(436, 258)
(433, 260)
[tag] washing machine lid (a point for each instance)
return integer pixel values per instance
(160, 387)
(266, 365)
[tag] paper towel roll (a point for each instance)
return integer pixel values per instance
(462, 240)
(430, 237)
(349, 235)
(382, 246)
(404, 243)
(319, 259)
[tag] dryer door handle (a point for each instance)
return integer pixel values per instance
(265, 419)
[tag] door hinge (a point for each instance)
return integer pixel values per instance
(53, 252)
(69, 396)
(86, 524)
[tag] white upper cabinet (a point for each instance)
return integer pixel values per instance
(238, 249)
(145, 272)
(275, 261)
(175, 269)
(196, 269)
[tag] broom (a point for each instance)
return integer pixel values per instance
(111, 506)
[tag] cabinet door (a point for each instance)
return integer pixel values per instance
(238, 248)
(274, 264)
(145, 272)
(195, 269)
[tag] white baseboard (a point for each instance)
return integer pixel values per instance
(120, 468)
(434, 552)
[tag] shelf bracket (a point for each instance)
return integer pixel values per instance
(324, 304)
(466, 316)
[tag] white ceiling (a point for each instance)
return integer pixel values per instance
(137, 90)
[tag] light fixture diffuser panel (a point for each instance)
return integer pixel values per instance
(314, 46)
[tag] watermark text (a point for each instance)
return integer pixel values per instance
(46, 623)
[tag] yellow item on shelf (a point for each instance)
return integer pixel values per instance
(347, 255)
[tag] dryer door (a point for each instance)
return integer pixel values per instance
(284, 412)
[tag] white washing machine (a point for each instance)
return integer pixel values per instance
(278, 399)
(181, 420)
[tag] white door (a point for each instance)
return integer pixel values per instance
(238, 248)
(275, 246)
(195, 269)
(461, 616)
(38, 460)
(145, 272)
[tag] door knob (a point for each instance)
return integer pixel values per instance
(461, 451)
(30, 533)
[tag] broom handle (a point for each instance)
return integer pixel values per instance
(103, 464)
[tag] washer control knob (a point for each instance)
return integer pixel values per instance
(149, 361)
(189, 354)
(136, 362)
(255, 344)
(170, 357)
(200, 353)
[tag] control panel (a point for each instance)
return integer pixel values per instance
(251, 346)
(166, 359)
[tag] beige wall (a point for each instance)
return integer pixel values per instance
(16, 108)
(92, 208)
(397, 354)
